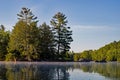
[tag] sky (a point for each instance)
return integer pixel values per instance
(94, 23)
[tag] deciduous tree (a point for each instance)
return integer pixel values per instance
(4, 39)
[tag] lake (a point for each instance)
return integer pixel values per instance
(59, 71)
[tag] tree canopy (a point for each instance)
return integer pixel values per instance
(110, 52)
(62, 34)
(4, 39)
(28, 41)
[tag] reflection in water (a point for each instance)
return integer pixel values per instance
(110, 70)
(56, 71)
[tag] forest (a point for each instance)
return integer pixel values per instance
(110, 52)
(29, 42)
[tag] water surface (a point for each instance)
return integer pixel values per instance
(59, 71)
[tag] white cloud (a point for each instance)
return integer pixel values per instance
(94, 28)
(91, 27)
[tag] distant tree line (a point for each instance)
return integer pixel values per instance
(30, 42)
(110, 52)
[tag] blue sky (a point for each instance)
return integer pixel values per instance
(94, 22)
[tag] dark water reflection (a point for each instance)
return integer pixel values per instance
(59, 71)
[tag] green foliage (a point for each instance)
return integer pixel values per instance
(4, 39)
(110, 52)
(24, 37)
(118, 56)
(111, 55)
(118, 59)
(29, 42)
(68, 56)
(26, 15)
(86, 55)
(62, 34)
(46, 42)
(9, 57)
(76, 57)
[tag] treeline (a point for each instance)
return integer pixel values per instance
(30, 42)
(110, 52)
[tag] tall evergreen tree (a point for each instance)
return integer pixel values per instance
(26, 15)
(24, 35)
(62, 34)
(46, 42)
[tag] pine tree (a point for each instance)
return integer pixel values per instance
(24, 35)
(26, 15)
(62, 34)
(46, 42)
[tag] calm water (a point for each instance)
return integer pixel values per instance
(59, 71)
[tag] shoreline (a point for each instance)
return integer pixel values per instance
(56, 62)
